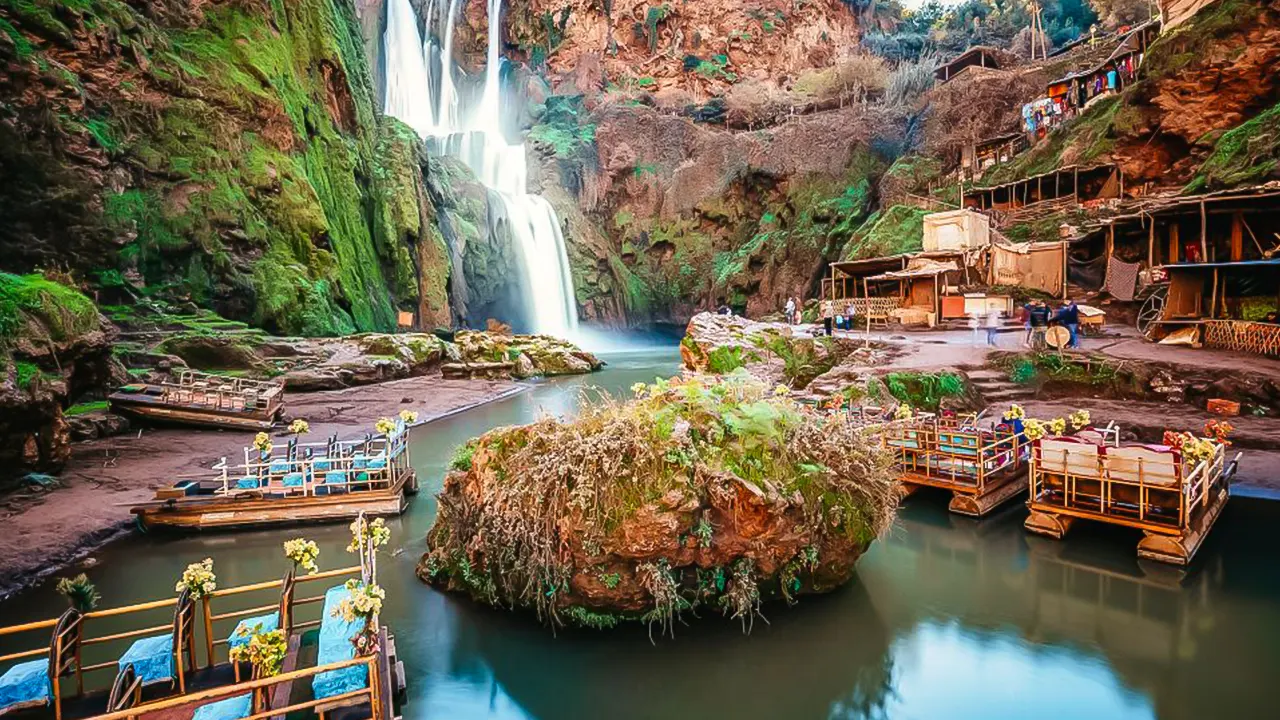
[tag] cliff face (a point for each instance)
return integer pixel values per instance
(228, 152)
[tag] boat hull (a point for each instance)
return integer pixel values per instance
(239, 513)
(164, 413)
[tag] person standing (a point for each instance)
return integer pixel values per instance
(1026, 322)
(993, 326)
(1039, 323)
(849, 312)
(791, 310)
(828, 316)
(1069, 317)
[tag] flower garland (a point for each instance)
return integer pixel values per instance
(303, 553)
(198, 579)
(384, 426)
(262, 443)
(1033, 429)
(1015, 412)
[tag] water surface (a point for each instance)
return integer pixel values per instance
(947, 617)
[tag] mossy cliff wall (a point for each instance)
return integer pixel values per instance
(225, 151)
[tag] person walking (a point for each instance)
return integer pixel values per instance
(849, 312)
(1039, 315)
(1025, 311)
(828, 316)
(791, 310)
(993, 326)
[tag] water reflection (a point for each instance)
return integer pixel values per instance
(947, 618)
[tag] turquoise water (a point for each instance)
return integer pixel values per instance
(947, 617)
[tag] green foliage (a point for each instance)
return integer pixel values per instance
(32, 306)
(725, 359)
(924, 390)
(583, 617)
(25, 373)
(563, 127)
(897, 230)
(462, 457)
(85, 408)
(1023, 372)
(80, 593)
(1245, 154)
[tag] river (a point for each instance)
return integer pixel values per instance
(947, 617)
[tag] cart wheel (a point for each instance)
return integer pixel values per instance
(1151, 311)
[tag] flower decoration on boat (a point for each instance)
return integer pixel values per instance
(1015, 412)
(1198, 449)
(1033, 429)
(834, 403)
(1057, 426)
(368, 534)
(1080, 419)
(1219, 430)
(299, 427)
(303, 553)
(1173, 439)
(262, 443)
(903, 412)
(409, 416)
(363, 601)
(265, 650)
(79, 592)
(198, 579)
(385, 426)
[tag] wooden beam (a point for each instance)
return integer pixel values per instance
(1204, 235)
(1173, 242)
(1213, 301)
(1151, 244)
(1237, 237)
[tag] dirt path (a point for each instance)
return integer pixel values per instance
(44, 531)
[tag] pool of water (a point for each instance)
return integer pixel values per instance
(946, 618)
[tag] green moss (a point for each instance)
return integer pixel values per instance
(724, 360)
(1245, 154)
(25, 373)
(57, 311)
(563, 127)
(896, 230)
(85, 408)
(924, 390)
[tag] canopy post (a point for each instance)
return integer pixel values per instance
(1204, 234)
(1151, 244)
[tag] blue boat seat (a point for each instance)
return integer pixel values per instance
(322, 465)
(233, 708)
(293, 480)
(152, 658)
(249, 483)
(335, 645)
(279, 467)
(25, 685)
(378, 463)
(245, 629)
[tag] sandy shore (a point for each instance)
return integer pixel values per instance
(45, 531)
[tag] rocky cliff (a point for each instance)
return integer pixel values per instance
(228, 152)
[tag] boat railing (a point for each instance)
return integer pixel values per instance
(953, 450)
(1147, 486)
(219, 392)
(223, 609)
(173, 706)
(376, 462)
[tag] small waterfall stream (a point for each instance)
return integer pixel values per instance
(425, 90)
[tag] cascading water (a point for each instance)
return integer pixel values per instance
(423, 91)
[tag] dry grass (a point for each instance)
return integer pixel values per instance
(530, 511)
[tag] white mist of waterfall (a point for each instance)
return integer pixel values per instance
(471, 131)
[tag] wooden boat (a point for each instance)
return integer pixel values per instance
(111, 684)
(982, 467)
(195, 398)
(1153, 488)
(305, 483)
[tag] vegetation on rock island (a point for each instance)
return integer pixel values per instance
(718, 493)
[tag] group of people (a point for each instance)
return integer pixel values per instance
(1038, 317)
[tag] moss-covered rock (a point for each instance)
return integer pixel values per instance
(715, 494)
(531, 355)
(897, 229)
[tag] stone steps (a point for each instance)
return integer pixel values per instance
(995, 386)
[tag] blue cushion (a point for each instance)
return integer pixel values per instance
(377, 463)
(337, 477)
(279, 467)
(335, 646)
(244, 629)
(360, 462)
(152, 658)
(322, 465)
(293, 480)
(233, 708)
(248, 483)
(25, 683)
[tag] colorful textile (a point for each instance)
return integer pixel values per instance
(244, 629)
(25, 684)
(335, 646)
(152, 658)
(234, 708)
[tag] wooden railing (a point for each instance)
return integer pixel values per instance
(1242, 336)
(953, 452)
(220, 392)
(1143, 492)
(368, 693)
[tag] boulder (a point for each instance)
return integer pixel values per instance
(700, 493)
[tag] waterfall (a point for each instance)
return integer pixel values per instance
(423, 90)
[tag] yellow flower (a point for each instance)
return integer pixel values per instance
(1080, 419)
(198, 579)
(385, 426)
(903, 412)
(1033, 429)
(1057, 426)
(303, 553)
(262, 442)
(409, 417)
(781, 390)
(299, 427)
(638, 389)
(1015, 412)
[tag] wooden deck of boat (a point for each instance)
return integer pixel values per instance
(155, 409)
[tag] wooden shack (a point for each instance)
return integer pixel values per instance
(1048, 192)
(977, 56)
